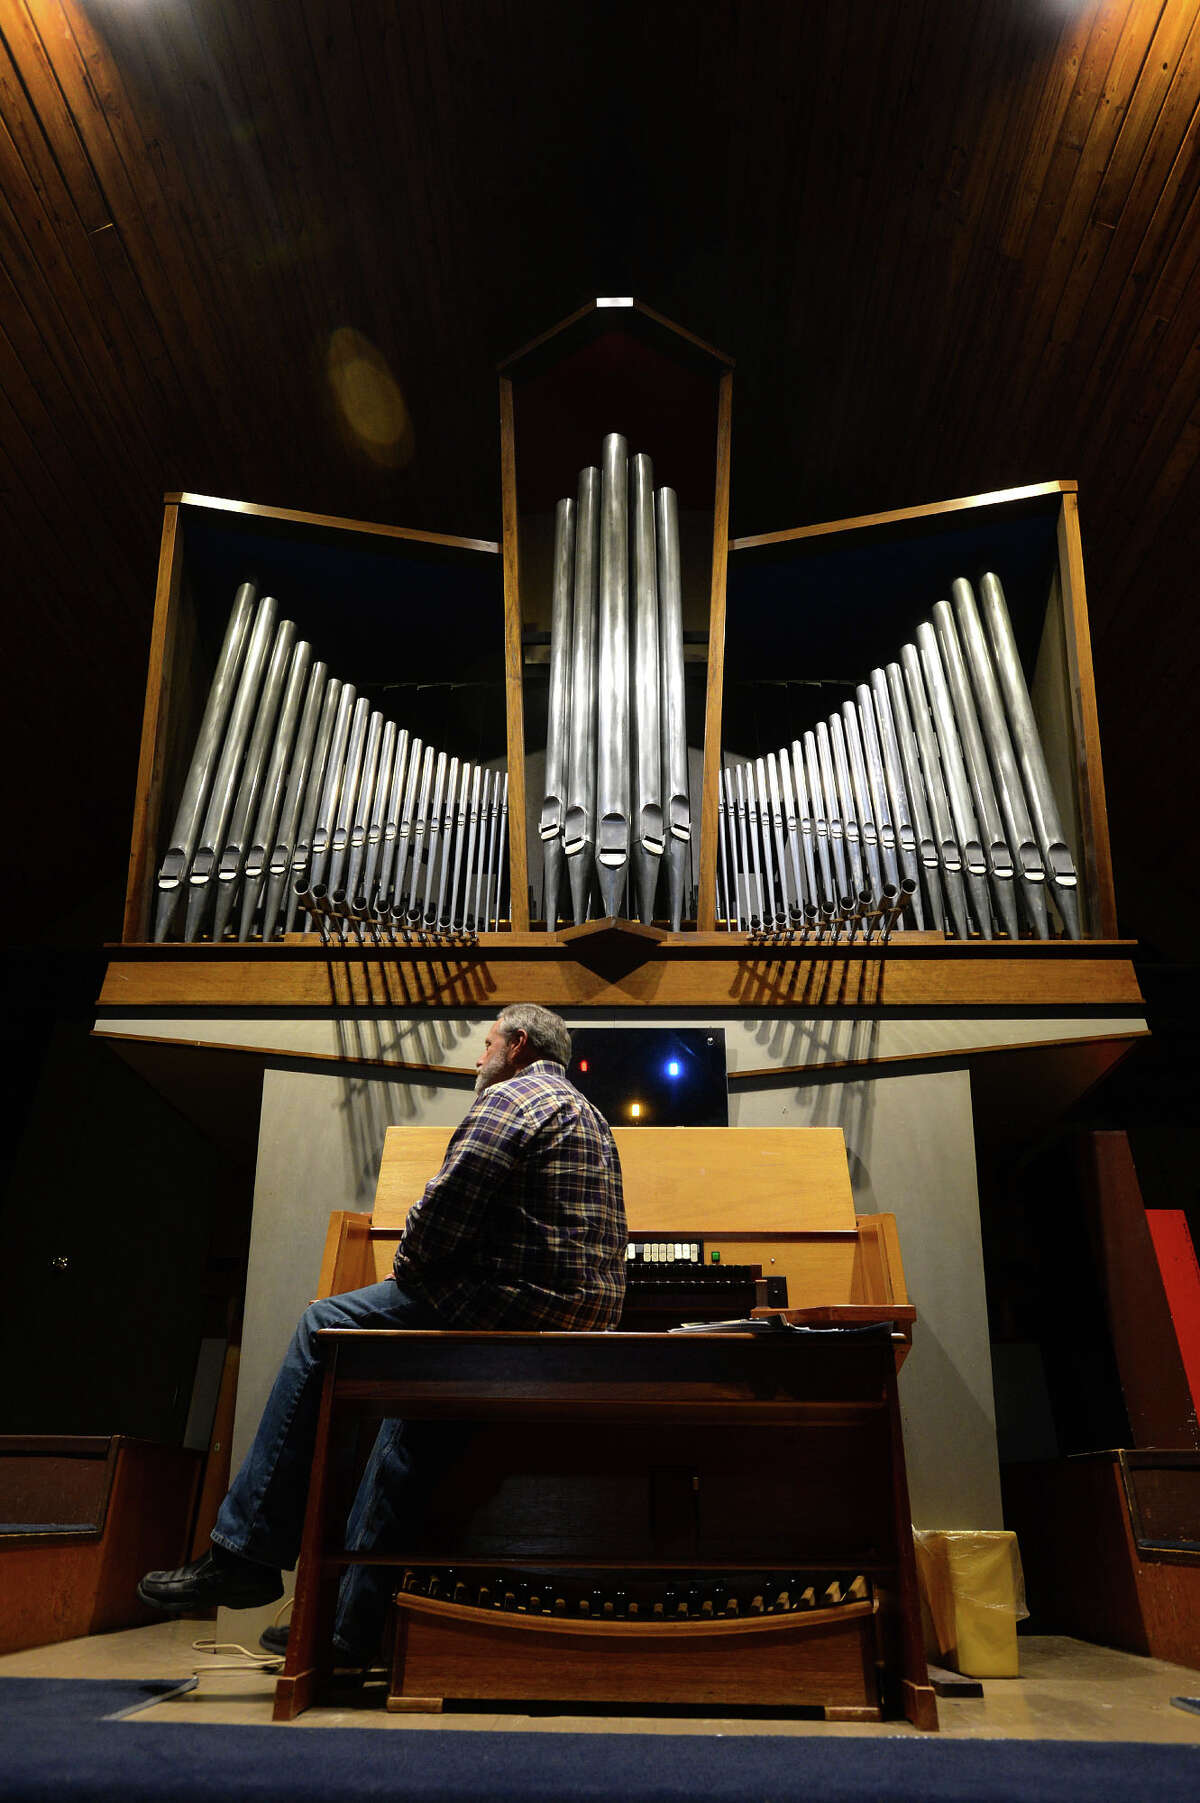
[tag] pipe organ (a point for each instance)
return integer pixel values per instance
(924, 802)
(616, 810)
(302, 800)
(916, 877)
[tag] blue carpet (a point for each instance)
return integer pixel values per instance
(56, 1745)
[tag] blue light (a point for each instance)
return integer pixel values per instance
(673, 1068)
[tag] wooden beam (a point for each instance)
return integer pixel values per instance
(152, 759)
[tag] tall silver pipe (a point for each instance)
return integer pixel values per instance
(412, 902)
(203, 864)
(287, 831)
(877, 783)
(379, 896)
(173, 870)
(331, 792)
(343, 825)
(648, 816)
(1039, 791)
(672, 707)
(758, 902)
(724, 910)
(441, 918)
(300, 857)
(579, 824)
(612, 687)
(770, 913)
(364, 890)
(792, 823)
(237, 833)
(751, 908)
(490, 885)
(925, 843)
(1027, 857)
(820, 820)
(808, 831)
(790, 905)
(271, 795)
(950, 853)
(845, 789)
(350, 882)
(995, 845)
(503, 853)
(395, 897)
(735, 865)
(477, 779)
(958, 783)
(897, 788)
(485, 803)
(558, 726)
(429, 903)
(864, 802)
(833, 809)
(468, 775)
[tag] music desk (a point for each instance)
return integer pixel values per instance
(618, 1452)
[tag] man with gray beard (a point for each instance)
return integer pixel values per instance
(523, 1229)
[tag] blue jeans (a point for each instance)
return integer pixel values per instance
(263, 1514)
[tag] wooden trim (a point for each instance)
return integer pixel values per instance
(535, 344)
(334, 523)
(1000, 497)
(715, 686)
(152, 757)
(347, 1253)
(954, 1053)
(671, 325)
(622, 1628)
(1089, 767)
(311, 1615)
(672, 977)
(902, 1616)
(518, 856)
(289, 1054)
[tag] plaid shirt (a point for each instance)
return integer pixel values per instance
(524, 1225)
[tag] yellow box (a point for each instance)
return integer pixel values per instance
(972, 1596)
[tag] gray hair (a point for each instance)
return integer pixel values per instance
(545, 1032)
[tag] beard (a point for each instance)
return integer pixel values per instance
(493, 1070)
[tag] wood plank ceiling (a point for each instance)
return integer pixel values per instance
(953, 245)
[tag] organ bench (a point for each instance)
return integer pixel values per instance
(765, 1466)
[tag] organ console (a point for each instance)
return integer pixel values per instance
(663, 1516)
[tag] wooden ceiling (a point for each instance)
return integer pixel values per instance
(952, 244)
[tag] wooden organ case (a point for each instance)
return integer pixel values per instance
(905, 1043)
(680, 1518)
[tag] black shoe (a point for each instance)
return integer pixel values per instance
(217, 1581)
(274, 1639)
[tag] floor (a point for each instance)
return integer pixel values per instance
(1068, 1690)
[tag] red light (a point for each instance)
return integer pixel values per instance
(583, 1064)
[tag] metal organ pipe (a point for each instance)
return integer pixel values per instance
(302, 797)
(926, 798)
(617, 728)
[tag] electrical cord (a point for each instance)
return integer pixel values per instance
(248, 1662)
